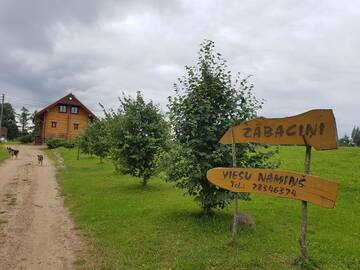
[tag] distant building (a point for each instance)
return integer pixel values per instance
(65, 118)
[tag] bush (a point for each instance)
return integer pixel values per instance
(26, 138)
(57, 142)
(69, 143)
(53, 143)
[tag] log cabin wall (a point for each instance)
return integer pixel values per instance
(68, 125)
(65, 123)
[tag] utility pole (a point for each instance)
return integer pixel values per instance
(2, 109)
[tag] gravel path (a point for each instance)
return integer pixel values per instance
(36, 231)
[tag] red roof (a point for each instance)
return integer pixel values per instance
(69, 99)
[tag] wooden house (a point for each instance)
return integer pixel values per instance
(65, 118)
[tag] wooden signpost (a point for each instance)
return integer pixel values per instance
(276, 183)
(315, 128)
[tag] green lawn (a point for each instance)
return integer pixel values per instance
(3, 153)
(156, 227)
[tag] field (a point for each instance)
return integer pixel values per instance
(156, 227)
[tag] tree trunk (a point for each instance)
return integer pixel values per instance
(207, 210)
(144, 182)
(78, 152)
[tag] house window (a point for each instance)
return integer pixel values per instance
(76, 126)
(53, 124)
(74, 110)
(62, 108)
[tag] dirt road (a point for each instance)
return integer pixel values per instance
(35, 229)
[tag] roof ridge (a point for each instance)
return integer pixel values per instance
(63, 100)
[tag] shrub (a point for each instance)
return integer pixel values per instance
(58, 142)
(53, 143)
(69, 143)
(27, 138)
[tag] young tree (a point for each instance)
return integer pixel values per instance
(36, 125)
(139, 134)
(206, 104)
(24, 117)
(345, 141)
(84, 141)
(355, 136)
(95, 139)
(9, 121)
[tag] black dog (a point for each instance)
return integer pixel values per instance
(13, 152)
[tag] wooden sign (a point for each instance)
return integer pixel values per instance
(276, 183)
(316, 128)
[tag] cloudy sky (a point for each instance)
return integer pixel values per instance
(303, 54)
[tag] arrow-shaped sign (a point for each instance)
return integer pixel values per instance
(276, 183)
(316, 128)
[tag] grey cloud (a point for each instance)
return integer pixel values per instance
(303, 54)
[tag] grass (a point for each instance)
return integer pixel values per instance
(156, 227)
(13, 142)
(3, 153)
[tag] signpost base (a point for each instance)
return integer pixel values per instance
(302, 240)
(304, 209)
(236, 197)
(235, 219)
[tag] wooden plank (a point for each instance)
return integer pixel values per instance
(65, 123)
(276, 183)
(316, 128)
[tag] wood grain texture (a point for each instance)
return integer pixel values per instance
(316, 128)
(65, 123)
(278, 183)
